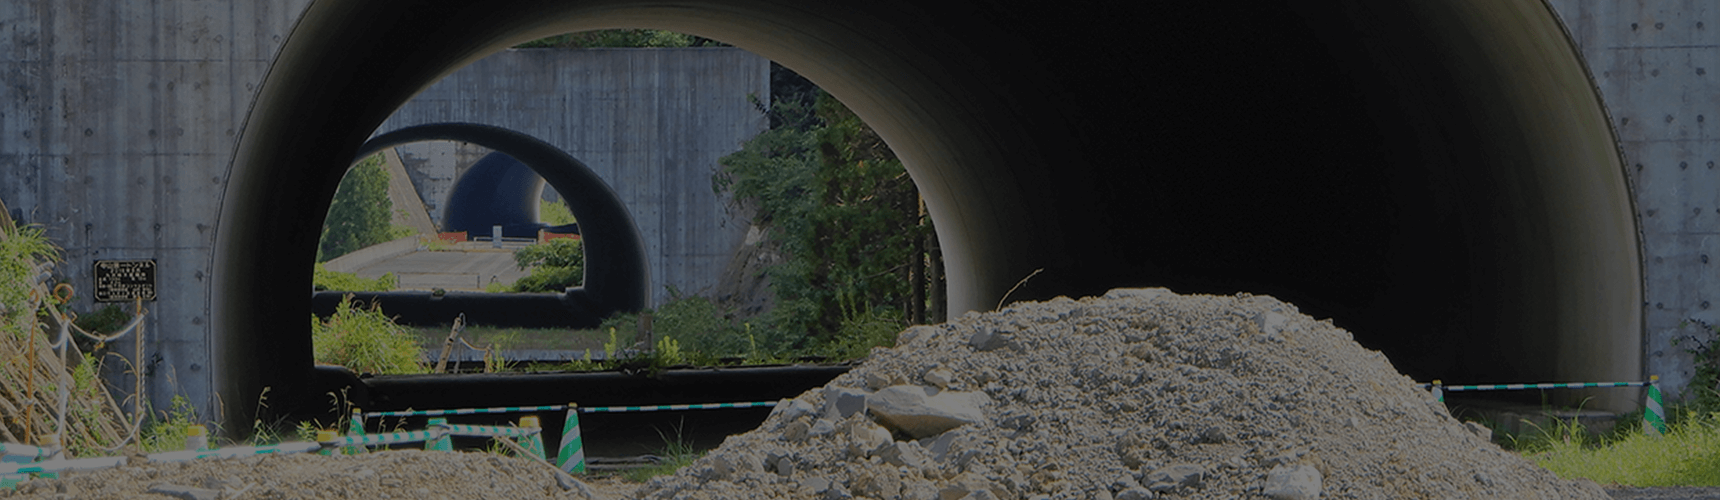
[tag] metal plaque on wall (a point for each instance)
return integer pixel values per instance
(125, 280)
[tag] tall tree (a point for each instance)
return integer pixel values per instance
(844, 212)
(361, 214)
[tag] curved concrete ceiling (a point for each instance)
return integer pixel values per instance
(1438, 177)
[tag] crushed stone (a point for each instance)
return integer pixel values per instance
(1139, 394)
(398, 474)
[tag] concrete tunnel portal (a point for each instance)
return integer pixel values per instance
(1440, 178)
(617, 275)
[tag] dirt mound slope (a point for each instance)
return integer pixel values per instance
(386, 474)
(1139, 394)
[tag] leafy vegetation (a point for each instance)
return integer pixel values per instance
(21, 248)
(620, 38)
(361, 214)
(555, 265)
(167, 432)
(1688, 455)
(843, 210)
(324, 279)
(365, 340)
(555, 213)
(676, 453)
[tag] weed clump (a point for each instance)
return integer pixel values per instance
(365, 340)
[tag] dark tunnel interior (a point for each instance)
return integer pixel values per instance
(1437, 177)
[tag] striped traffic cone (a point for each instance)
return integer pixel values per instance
(325, 436)
(1653, 413)
(571, 456)
(533, 442)
(444, 443)
(355, 428)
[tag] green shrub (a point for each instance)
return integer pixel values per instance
(20, 249)
(555, 213)
(547, 279)
(555, 266)
(324, 279)
(167, 432)
(365, 340)
(860, 332)
(108, 319)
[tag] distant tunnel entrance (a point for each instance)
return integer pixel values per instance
(1439, 177)
(616, 273)
(498, 190)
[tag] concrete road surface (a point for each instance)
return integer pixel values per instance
(469, 266)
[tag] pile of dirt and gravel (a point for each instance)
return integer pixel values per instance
(1138, 394)
(381, 475)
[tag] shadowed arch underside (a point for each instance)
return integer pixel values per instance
(1438, 177)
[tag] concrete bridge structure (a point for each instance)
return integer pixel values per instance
(1485, 190)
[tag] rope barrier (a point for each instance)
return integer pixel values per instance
(1653, 414)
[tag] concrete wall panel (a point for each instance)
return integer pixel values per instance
(117, 125)
(1652, 61)
(651, 122)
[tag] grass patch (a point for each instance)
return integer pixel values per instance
(676, 453)
(365, 340)
(324, 279)
(1689, 455)
(168, 431)
(504, 338)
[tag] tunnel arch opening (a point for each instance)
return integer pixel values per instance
(1159, 162)
(616, 274)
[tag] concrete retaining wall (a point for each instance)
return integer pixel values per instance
(1654, 62)
(118, 121)
(651, 122)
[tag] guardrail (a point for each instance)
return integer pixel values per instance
(1653, 414)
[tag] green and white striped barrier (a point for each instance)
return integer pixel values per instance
(443, 443)
(524, 430)
(52, 466)
(703, 406)
(235, 452)
(10, 450)
(535, 409)
(366, 440)
(1653, 414)
(464, 411)
(570, 455)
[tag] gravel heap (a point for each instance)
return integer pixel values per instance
(380, 475)
(1140, 394)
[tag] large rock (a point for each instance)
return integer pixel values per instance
(1293, 482)
(840, 402)
(924, 411)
